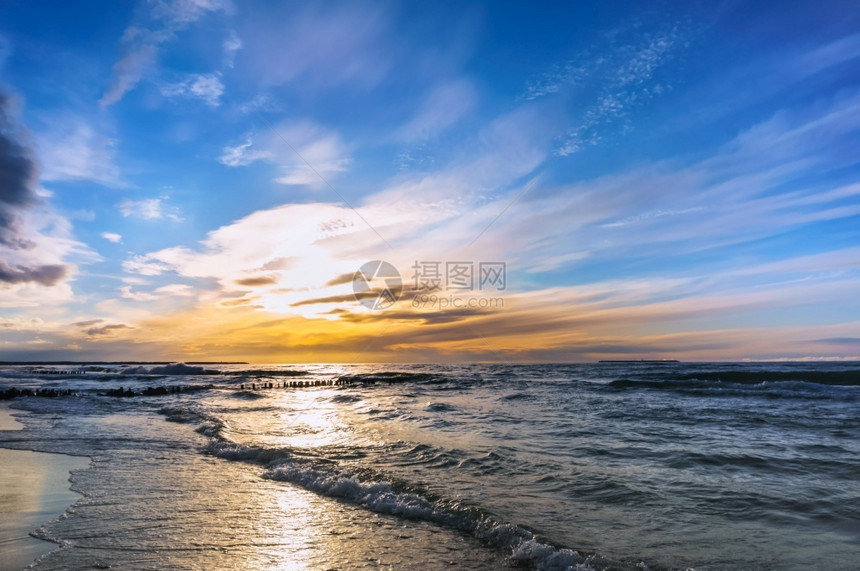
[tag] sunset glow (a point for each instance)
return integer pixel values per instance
(202, 181)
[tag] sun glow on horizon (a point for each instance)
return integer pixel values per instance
(194, 198)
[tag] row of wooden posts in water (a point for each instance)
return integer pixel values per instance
(166, 390)
(297, 384)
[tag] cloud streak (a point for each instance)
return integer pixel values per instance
(141, 45)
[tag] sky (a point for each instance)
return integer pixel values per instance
(562, 182)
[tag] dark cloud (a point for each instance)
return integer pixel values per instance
(19, 175)
(258, 281)
(46, 275)
(342, 279)
(427, 317)
(87, 323)
(236, 302)
(105, 330)
(369, 294)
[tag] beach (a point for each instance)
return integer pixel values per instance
(34, 489)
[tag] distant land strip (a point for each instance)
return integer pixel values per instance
(121, 362)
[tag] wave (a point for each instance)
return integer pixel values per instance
(516, 397)
(389, 377)
(839, 378)
(267, 373)
(172, 369)
(379, 495)
(772, 384)
(439, 407)
(247, 395)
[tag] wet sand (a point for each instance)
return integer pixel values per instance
(34, 489)
(7, 421)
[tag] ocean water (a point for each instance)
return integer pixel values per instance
(598, 466)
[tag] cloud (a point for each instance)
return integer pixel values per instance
(175, 289)
(231, 45)
(141, 43)
(321, 148)
(139, 57)
(105, 330)
(88, 322)
(608, 80)
(321, 46)
(112, 237)
(19, 178)
(70, 149)
(27, 256)
(243, 155)
(207, 87)
(172, 290)
(46, 275)
(150, 209)
(257, 281)
(446, 104)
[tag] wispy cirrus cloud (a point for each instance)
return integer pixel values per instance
(142, 41)
(293, 146)
(445, 105)
(609, 80)
(231, 45)
(321, 47)
(150, 209)
(204, 86)
(243, 154)
(71, 148)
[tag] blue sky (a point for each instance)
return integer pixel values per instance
(192, 179)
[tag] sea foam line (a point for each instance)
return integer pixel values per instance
(385, 497)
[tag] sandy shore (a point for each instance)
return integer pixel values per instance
(34, 489)
(7, 421)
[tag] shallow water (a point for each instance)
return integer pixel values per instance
(34, 489)
(478, 467)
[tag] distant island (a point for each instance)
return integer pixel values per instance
(640, 361)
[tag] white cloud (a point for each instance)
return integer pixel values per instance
(259, 103)
(112, 237)
(70, 148)
(243, 155)
(172, 290)
(207, 87)
(150, 209)
(609, 80)
(175, 289)
(141, 42)
(129, 70)
(125, 291)
(230, 46)
(322, 149)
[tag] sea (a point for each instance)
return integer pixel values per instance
(627, 466)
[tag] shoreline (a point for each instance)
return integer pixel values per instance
(34, 490)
